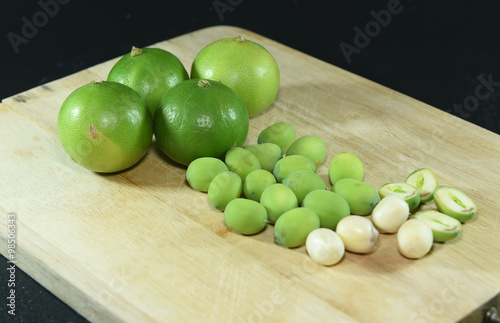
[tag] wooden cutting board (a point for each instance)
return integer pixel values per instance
(142, 246)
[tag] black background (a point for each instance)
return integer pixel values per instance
(435, 52)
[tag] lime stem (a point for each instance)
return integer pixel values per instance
(135, 51)
(204, 84)
(239, 39)
(96, 81)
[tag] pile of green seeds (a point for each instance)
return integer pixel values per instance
(275, 182)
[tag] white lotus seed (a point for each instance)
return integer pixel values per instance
(325, 247)
(390, 213)
(358, 234)
(415, 239)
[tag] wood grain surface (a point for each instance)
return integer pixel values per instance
(142, 246)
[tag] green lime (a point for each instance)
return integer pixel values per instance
(105, 126)
(243, 65)
(200, 118)
(149, 71)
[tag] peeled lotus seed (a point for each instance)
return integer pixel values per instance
(415, 239)
(325, 247)
(358, 234)
(390, 213)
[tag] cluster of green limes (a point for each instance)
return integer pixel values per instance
(108, 126)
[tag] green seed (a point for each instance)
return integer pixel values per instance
(293, 227)
(202, 171)
(288, 164)
(301, 182)
(361, 196)
(454, 203)
(425, 181)
(444, 227)
(281, 133)
(407, 192)
(241, 161)
(224, 188)
(278, 199)
(245, 216)
(267, 154)
(346, 165)
(329, 206)
(255, 183)
(311, 147)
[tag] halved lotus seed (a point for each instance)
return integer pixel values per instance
(443, 227)
(255, 183)
(309, 146)
(415, 239)
(281, 133)
(425, 181)
(361, 196)
(224, 188)
(301, 182)
(202, 171)
(245, 216)
(267, 153)
(325, 247)
(358, 234)
(390, 213)
(407, 192)
(288, 164)
(346, 165)
(293, 226)
(454, 203)
(329, 206)
(277, 199)
(241, 161)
